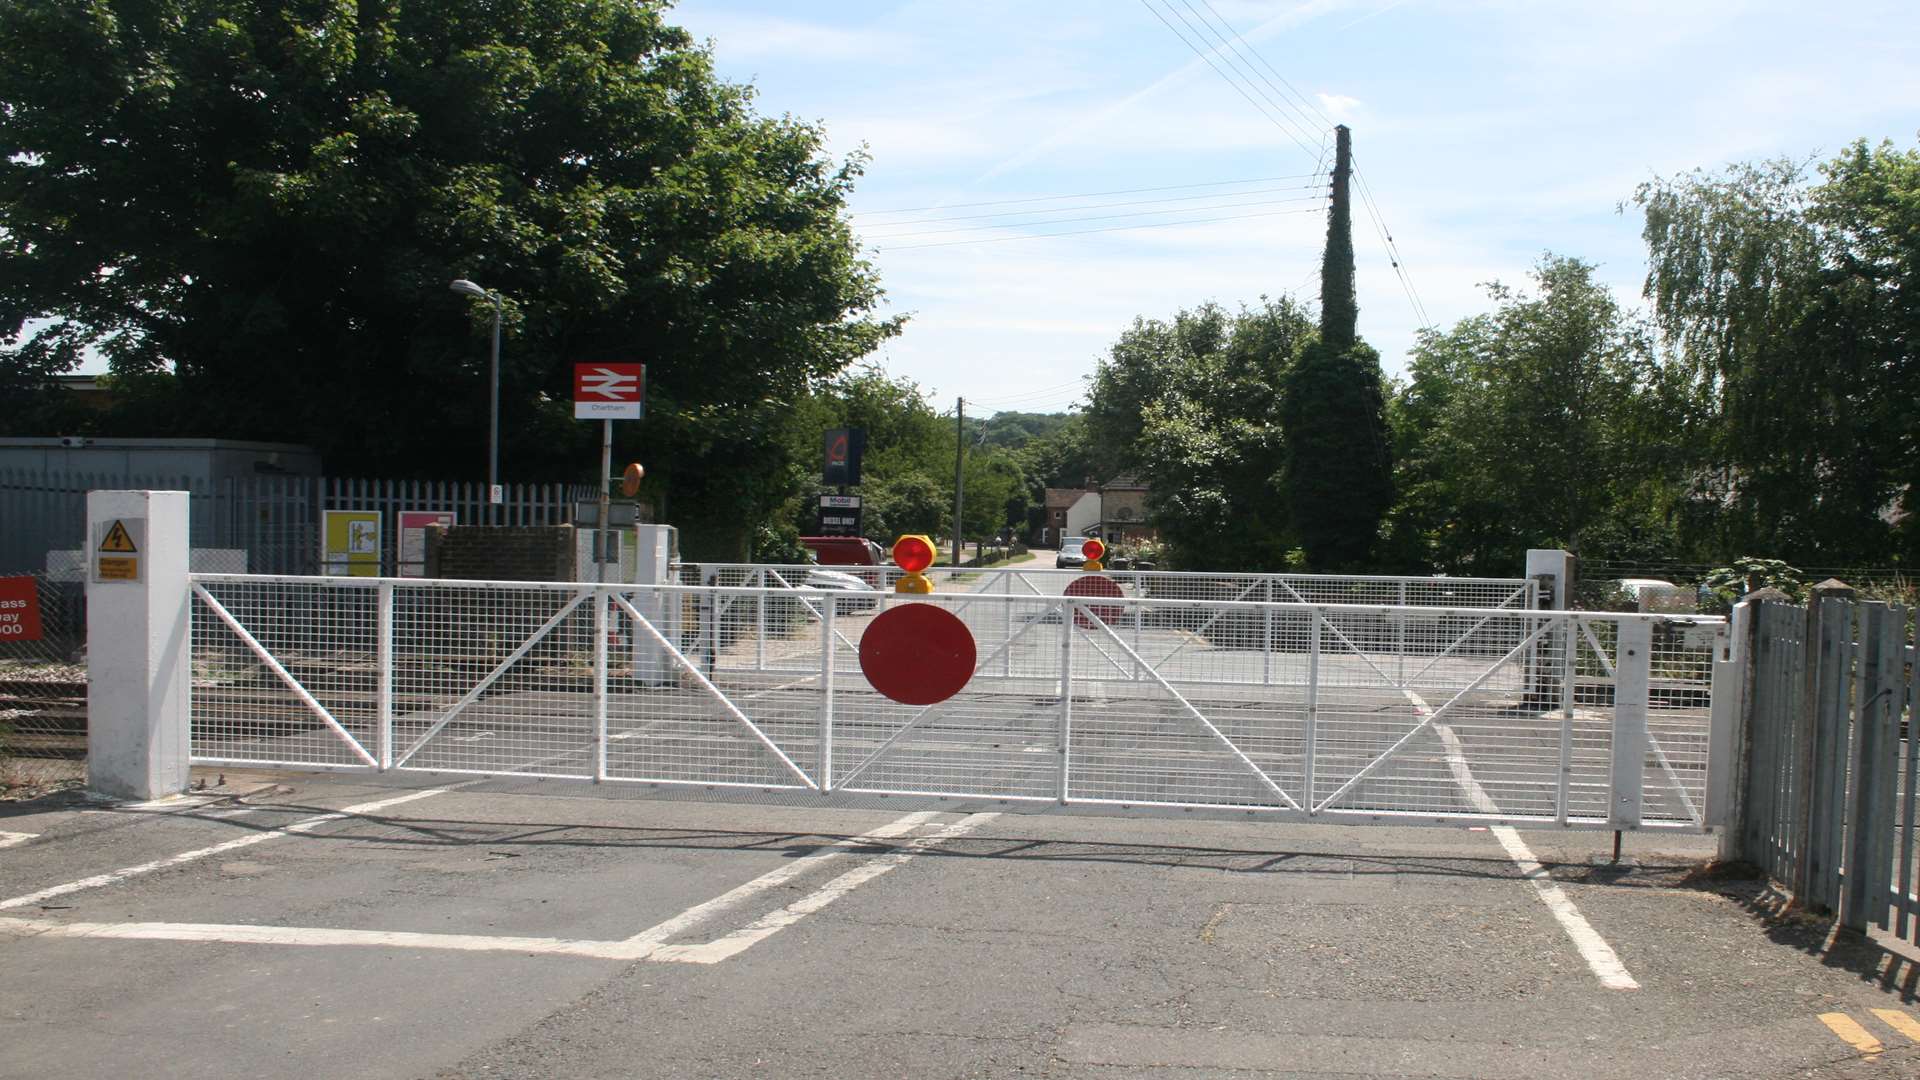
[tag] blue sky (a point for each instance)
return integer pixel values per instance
(1488, 132)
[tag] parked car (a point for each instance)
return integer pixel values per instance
(1070, 556)
(845, 551)
(849, 593)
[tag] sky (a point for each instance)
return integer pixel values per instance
(1487, 133)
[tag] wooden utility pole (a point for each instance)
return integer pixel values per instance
(959, 469)
(1339, 307)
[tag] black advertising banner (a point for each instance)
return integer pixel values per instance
(843, 447)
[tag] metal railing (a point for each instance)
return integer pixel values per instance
(1339, 712)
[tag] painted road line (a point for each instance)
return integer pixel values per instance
(1900, 1022)
(9, 839)
(766, 926)
(649, 941)
(1852, 1033)
(641, 946)
(1593, 948)
(116, 876)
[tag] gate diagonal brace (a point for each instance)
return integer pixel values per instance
(492, 677)
(811, 610)
(1321, 617)
(1459, 641)
(1201, 630)
(733, 710)
(1259, 773)
(284, 675)
(1435, 716)
(930, 711)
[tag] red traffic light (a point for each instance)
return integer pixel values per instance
(1093, 549)
(913, 553)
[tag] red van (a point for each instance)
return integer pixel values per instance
(845, 551)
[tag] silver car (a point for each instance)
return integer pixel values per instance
(1070, 556)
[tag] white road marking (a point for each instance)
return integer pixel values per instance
(647, 941)
(113, 877)
(766, 926)
(9, 839)
(646, 945)
(1593, 948)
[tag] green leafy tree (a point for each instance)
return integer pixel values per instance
(267, 198)
(1339, 460)
(1792, 307)
(1191, 407)
(1534, 425)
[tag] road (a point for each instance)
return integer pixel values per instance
(336, 926)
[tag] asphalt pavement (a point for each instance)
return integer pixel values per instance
(322, 926)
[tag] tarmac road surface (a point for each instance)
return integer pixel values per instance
(339, 926)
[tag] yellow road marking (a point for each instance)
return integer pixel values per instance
(1852, 1033)
(1900, 1022)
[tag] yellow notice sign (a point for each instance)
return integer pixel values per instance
(351, 543)
(119, 540)
(117, 568)
(116, 548)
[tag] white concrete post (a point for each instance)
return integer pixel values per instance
(138, 623)
(1558, 565)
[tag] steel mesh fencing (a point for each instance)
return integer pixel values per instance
(43, 685)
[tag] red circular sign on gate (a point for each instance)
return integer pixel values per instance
(917, 654)
(1099, 587)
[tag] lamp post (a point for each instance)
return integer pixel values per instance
(468, 288)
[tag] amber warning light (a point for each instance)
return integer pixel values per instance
(913, 554)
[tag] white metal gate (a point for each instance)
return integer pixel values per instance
(1304, 711)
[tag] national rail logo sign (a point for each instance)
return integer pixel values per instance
(609, 391)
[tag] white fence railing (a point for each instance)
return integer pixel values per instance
(1339, 712)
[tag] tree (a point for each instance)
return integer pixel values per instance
(1191, 408)
(1339, 462)
(1791, 307)
(1533, 425)
(267, 198)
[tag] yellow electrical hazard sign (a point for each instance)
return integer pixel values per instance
(119, 540)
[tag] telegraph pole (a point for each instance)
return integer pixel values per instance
(959, 469)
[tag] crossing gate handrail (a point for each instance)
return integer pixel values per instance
(1302, 710)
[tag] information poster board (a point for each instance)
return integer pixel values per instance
(413, 538)
(350, 546)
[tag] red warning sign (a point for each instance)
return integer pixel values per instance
(1094, 585)
(917, 654)
(19, 609)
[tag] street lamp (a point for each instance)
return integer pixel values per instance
(468, 288)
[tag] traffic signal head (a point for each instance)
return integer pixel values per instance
(1093, 549)
(913, 553)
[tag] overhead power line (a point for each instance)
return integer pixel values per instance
(1083, 195)
(1392, 248)
(1102, 217)
(1232, 81)
(1249, 73)
(1109, 228)
(1088, 206)
(1255, 53)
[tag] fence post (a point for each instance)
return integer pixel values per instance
(1870, 824)
(139, 642)
(602, 598)
(1309, 749)
(1067, 612)
(383, 686)
(1633, 668)
(1821, 739)
(827, 612)
(1749, 738)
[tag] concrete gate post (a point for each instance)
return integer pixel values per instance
(138, 623)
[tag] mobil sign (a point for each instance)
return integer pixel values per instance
(609, 391)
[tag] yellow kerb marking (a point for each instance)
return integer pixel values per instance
(1900, 1022)
(1852, 1033)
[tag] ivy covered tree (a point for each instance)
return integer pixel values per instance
(252, 209)
(1339, 463)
